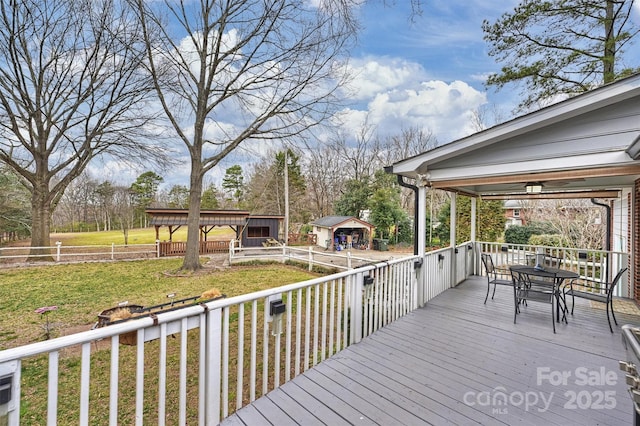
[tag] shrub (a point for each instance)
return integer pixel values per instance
(552, 240)
(518, 234)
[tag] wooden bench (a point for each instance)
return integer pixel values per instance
(597, 291)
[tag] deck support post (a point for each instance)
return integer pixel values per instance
(452, 240)
(421, 272)
(475, 264)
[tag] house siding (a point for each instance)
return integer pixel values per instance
(636, 240)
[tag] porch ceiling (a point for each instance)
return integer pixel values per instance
(587, 146)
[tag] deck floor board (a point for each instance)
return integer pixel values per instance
(440, 363)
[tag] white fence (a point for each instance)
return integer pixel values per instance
(201, 363)
(310, 256)
(592, 265)
(62, 253)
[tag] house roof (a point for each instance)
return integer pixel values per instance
(336, 221)
(588, 145)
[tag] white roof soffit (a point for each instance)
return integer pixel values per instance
(590, 101)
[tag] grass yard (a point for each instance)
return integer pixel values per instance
(136, 236)
(81, 291)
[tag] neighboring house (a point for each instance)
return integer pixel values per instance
(512, 211)
(338, 232)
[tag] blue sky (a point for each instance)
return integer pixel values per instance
(427, 72)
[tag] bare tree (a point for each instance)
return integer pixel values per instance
(486, 116)
(77, 203)
(325, 180)
(358, 154)
(579, 222)
(236, 71)
(70, 90)
(124, 209)
(411, 141)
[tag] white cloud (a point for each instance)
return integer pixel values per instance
(374, 75)
(396, 94)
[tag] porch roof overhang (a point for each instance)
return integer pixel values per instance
(587, 146)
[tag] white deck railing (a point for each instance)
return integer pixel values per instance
(592, 265)
(201, 363)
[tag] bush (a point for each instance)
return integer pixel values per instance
(552, 240)
(518, 234)
(306, 229)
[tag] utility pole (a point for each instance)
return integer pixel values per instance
(286, 196)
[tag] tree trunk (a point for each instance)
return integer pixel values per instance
(192, 256)
(608, 60)
(40, 225)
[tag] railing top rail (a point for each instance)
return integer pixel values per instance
(550, 247)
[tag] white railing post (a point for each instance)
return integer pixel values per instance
(113, 250)
(10, 410)
(349, 260)
(356, 282)
(213, 366)
(232, 247)
(157, 248)
(58, 245)
(310, 258)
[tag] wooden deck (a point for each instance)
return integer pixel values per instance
(455, 362)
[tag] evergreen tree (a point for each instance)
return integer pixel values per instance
(561, 47)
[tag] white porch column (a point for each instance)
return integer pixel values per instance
(422, 220)
(421, 229)
(473, 219)
(473, 235)
(452, 238)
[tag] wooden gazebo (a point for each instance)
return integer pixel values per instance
(174, 219)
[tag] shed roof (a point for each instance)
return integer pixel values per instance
(336, 221)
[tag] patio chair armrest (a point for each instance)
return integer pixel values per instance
(587, 288)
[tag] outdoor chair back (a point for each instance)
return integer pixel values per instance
(493, 275)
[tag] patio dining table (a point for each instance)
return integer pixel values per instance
(559, 275)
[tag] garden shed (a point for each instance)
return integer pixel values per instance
(340, 232)
(261, 229)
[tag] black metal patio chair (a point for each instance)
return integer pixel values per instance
(493, 276)
(596, 291)
(525, 290)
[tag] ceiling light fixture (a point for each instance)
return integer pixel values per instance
(534, 187)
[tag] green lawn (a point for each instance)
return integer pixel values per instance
(136, 236)
(81, 291)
